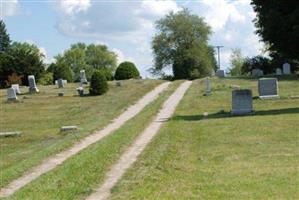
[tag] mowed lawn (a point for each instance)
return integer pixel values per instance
(221, 157)
(40, 116)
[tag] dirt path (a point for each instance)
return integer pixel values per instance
(53, 161)
(130, 156)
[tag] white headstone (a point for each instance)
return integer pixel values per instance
(257, 73)
(60, 83)
(16, 88)
(11, 95)
(286, 68)
(220, 73)
(208, 86)
(268, 88)
(32, 84)
(80, 91)
(242, 102)
(83, 76)
(278, 71)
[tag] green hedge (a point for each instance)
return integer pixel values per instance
(126, 70)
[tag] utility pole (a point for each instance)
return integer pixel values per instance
(218, 51)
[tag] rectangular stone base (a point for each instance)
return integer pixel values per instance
(10, 134)
(269, 97)
(68, 128)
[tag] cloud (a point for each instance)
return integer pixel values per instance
(121, 56)
(71, 7)
(9, 8)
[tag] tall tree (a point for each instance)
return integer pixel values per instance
(4, 37)
(277, 23)
(236, 62)
(182, 43)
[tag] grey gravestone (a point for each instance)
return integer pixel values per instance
(11, 95)
(63, 81)
(10, 134)
(83, 76)
(60, 94)
(286, 68)
(32, 84)
(278, 71)
(257, 73)
(118, 83)
(220, 73)
(60, 83)
(16, 88)
(68, 128)
(242, 102)
(80, 91)
(208, 86)
(268, 88)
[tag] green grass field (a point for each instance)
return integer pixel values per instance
(221, 157)
(76, 177)
(40, 116)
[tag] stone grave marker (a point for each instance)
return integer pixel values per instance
(208, 86)
(60, 83)
(286, 68)
(68, 128)
(11, 95)
(257, 73)
(268, 88)
(220, 73)
(242, 102)
(16, 87)
(83, 77)
(80, 91)
(278, 71)
(32, 85)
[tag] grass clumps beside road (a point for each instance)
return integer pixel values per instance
(78, 176)
(39, 117)
(219, 156)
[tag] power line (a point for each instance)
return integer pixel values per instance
(218, 51)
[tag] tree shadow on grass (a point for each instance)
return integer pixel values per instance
(228, 114)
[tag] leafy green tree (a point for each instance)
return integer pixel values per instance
(182, 43)
(126, 70)
(4, 37)
(257, 62)
(61, 70)
(236, 62)
(98, 83)
(277, 23)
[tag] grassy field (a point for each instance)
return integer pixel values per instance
(40, 116)
(76, 178)
(221, 157)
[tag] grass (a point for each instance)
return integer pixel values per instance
(39, 117)
(221, 157)
(76, 177)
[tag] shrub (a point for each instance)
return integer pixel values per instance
(14, 79)
(46, 79)
(126, 70)
(98, 83)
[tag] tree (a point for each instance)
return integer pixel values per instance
(23, 59)
(88, 57)
(98, 83)
(126, 70)
(278, 25)
(236, 62)
(182, 43)
(61, 70)
(4, 37)
(257, 62)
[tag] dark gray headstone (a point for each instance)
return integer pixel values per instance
(242, 102)
(60, 83)
(286, 68)
(16, 88)
(11, 95)
(208, 86)
(32, 85)
(220, 73)
(257, 73)
(83, 77)
(268, 87)
(278, 71)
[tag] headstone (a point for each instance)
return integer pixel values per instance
(83, 77)
(257, 73)
(11, 95)
(118, 83)
(68, 128)
(60, 83)
(32, 84)
(286, 68)
(16, 88)
(208, 86)
(268, 88)
(278, 71)
(80, 91)
(10, 134)
(220, 73)
(63, 81)
(60, 94)
(242, 102)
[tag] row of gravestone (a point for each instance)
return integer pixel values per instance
(15, 89)
(286, 70)
(242, 103)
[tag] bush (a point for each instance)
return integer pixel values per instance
(98, 83)
(14, 79)
(126, 70)
(46, 79)
(61, 70)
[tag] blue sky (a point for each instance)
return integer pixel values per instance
(126, 27)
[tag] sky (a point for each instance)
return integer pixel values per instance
(125, 26)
